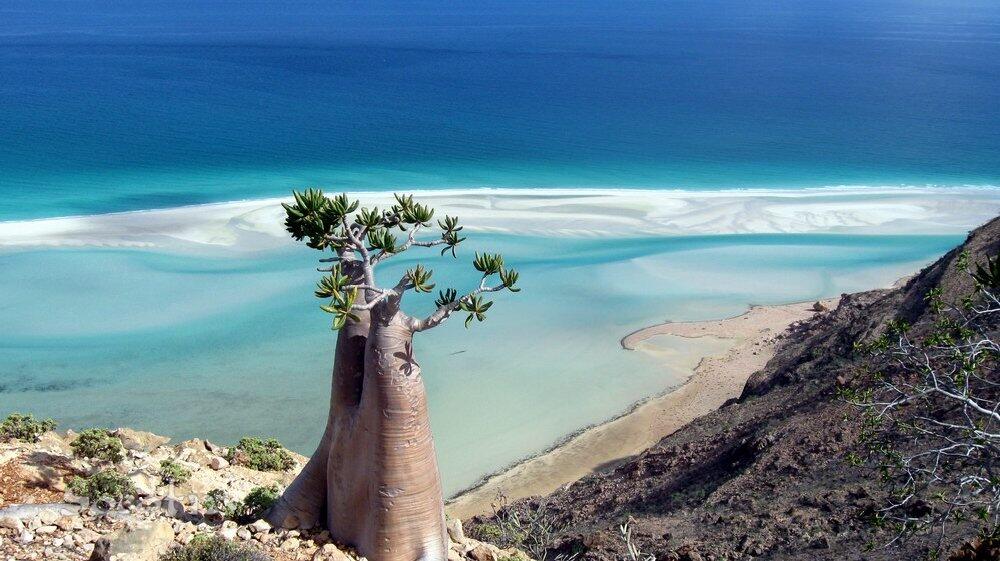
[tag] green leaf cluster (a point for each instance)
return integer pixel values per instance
(107, 485)
(24, 427)
(173, 473)
(98, 444)
(420, 279)
(251, 508)
(261, 455)
(988, 275)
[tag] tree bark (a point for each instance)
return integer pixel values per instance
(404, 518)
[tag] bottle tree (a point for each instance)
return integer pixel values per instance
(373, 480)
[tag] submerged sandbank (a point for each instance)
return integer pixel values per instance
(258, 224)
(715, 380)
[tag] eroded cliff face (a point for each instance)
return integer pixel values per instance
(764, 477)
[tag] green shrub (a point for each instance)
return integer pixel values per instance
(107, 484)
(256, 503)
(98, 444)
(261, 455)
(24, 427)
(173, 473)
(251, 508)
(214, 548)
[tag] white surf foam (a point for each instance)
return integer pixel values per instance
(257, 224)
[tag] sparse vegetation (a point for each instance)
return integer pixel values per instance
(930, 423)
(257, 501)
(531, 529)
(251, 508)
(214, 548)
(173, 473)
(98, 444)
(24, 427)
(107, 485)
(261, 455)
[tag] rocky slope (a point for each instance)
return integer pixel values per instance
(765, 476)
(40, 518)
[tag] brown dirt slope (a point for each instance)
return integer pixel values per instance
(765, 476)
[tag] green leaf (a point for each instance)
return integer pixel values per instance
(488, 263)
(446, 297)
(419, 278)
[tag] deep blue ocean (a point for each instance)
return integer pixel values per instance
(110, 106)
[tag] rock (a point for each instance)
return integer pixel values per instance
(67, 523)
(144, 484)
(329, 552)
(48, 517)
(244, 534)
(144, 543)
(260, 526)
(140, 441)
(217, 463)
(101, 550)
(228, 530)
(172, 507)
(215, 448)
(482, 553)
(290, 544)
(87, 535)
(455, 531)
(46, 530)
(12, 523)
(25, 537)
(819, 307)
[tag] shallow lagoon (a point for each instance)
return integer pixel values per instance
(223, 344)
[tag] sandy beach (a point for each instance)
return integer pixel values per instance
(715, 380)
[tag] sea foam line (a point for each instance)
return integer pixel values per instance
(257, 224)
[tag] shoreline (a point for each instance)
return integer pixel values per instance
(716, 379)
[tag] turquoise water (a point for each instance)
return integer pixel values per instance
(220, 346)
(110, 106)
(113, 106)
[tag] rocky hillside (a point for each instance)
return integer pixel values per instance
(766, 476)
(198, 493)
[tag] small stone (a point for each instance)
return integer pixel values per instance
(482, 553)
(144, 486)
(48, 517)
(217, 463)
(290, 544)
(455, 531)
(87, 535)
(228, 530)
(244, 534)
(260, 526)
(26, 537)
(172, 507)
(46, 530)
(58, 542)
(12, 523)
(214, 517)
(330, 552)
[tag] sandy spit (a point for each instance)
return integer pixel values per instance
(715, 380)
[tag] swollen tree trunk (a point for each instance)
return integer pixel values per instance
(404, 518)
(304, 502)
(374, 477)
